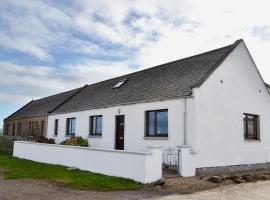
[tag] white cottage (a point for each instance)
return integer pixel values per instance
(214, 104)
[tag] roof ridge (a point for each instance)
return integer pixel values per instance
(46, 98)
(217, 64)
(267, 84)
(19, 109)
(174, 61)
(66, 100)
(58, 94)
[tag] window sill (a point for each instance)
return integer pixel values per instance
(252, 140)
(95, 136)
(155, 138)
(67, 136)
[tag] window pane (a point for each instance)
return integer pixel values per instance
(251, 126)
(56, 127)
(245, 126)
(120, 83)
(151, 121)
(99, 125)
(94, 124)
(69, 126)
(162, 122)
(73, 124)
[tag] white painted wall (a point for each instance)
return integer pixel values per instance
(134, 125)
(144, 167)
(187, 164)
(219, 108)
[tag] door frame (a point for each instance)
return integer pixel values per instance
(115, 135)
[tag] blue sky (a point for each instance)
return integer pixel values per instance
(50, 46)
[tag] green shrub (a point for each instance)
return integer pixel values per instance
(42, 139)
(51, 141)
(76, 141)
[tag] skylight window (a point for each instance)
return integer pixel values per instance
(119, 84)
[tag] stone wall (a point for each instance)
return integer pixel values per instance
(35, 126)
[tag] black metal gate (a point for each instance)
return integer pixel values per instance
(170, 160)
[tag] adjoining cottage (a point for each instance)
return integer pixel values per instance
(31, 119)
(215, 104)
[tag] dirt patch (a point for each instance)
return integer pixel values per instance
(188, 185)
(43, 190)
(247, 191)
(175, 184)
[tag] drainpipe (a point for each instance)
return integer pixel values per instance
(45, 131)
(185, 121)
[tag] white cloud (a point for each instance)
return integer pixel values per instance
(22, 83)
(183, 28)
(262, 32)
(32, 27)
(215, 23)
(23, 45)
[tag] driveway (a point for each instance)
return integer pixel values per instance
(248, 191)
(44, 190)
(40, 190)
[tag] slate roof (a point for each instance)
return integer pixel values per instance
(41, 107)
(167, 81)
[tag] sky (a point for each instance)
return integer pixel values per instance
(49, 46)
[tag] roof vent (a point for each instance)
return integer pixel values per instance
(119, 84)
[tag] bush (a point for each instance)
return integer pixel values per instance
(76, 141)
(42, 139)
(51, 141)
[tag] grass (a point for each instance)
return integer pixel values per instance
(16, 168)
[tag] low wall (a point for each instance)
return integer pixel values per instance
(186, 162)
(6, 144)
(233, 168)
(144, 167)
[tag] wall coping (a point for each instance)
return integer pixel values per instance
(154, 147)
(183, 147)
(87, 148)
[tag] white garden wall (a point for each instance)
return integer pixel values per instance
(134, 125)
(233, 89)
(144, 167)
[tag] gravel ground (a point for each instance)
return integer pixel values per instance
(247, 191)
(44, 190)
(198, 188)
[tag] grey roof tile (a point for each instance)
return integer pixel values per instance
(168, 81)
(41, 107)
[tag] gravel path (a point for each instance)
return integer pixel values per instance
(248, 191)
(43, 190)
